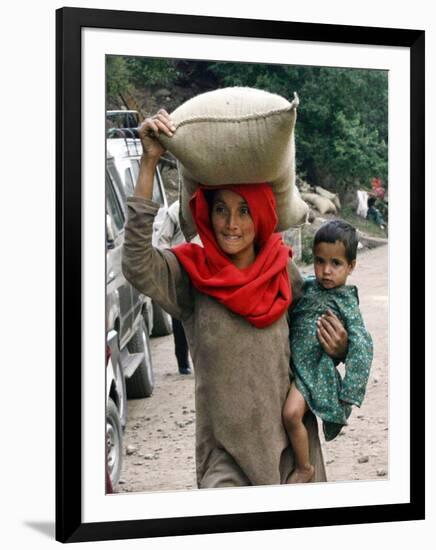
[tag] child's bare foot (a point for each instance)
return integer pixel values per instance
(302, 475)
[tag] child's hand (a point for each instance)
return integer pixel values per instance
(332, 335)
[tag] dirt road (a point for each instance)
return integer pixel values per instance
(159, 438)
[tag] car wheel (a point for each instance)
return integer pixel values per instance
(114, 442)
(120, 386)
(162, 325)
(141, 383)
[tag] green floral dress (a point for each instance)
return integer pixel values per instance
(316, 375)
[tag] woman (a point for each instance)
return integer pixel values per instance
(232, 297)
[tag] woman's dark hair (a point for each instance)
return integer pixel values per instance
(209, 195)
(338, 230)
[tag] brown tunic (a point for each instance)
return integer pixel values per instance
(241, 372)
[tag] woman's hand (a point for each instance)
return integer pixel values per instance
(332, 335)
(149, 132)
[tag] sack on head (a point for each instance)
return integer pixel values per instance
(237, 135)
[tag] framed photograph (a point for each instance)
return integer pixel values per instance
(359, 133)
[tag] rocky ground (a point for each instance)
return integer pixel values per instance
(159, 438)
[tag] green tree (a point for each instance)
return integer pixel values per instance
(118, 76)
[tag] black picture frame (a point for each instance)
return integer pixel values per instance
(69, 524)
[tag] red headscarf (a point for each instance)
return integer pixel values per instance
(261, 292)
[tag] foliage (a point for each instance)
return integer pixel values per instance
(125, 73)
(152, 71)
(118, 76)
(342, 128)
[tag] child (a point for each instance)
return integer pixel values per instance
(317, 384)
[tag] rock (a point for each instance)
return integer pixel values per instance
(122, 482)
(131, 449)
(148, 457)
(330, 461)
(381, 472)
(363, 459)
(138, 464)
(360, 416)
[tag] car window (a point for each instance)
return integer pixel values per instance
(157, 192)
(113, 205)
(128, 179)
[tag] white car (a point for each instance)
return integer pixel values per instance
(126, 153)
(123, 155)
(121, 118)
(131, 317)
(116, 410)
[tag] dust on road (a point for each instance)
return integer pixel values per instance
(159, 451)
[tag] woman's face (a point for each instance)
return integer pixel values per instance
(233, 227)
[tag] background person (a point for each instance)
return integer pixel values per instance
(170, 234)
(374, 213)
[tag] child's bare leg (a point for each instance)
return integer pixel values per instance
(293, 413)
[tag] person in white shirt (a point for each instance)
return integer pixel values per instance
(170, 234)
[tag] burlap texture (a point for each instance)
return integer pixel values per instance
(334, 197)
(237, 135)
(322, 204)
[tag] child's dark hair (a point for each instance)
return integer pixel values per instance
(338, 230)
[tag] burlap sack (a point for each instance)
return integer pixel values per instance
(334, 197)
(237, 135)
(322, 204)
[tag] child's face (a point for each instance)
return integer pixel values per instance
(331, 265)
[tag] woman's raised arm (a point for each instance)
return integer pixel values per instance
(152, 150)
